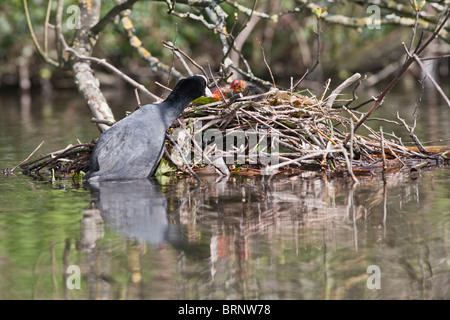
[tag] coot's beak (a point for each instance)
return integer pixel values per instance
(208, 92)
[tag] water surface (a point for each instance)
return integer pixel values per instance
(306, 236)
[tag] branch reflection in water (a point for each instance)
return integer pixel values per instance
(298, 237)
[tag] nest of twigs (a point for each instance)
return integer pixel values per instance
(65, 163)
(311, 136)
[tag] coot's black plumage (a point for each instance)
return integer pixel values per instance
(133, 147)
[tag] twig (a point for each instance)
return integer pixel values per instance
(57, 155)
(198, 148)
(383, 155)
(430, 77)
(354, 96)
(154, 63)
(215, 83)
(351, 141)
(312, 155)
(267, 65)
(190, 15)
(43, 54)
(300, 80)
(444, 56)
(318, 46)
(163, 86)
(412, 135)
(180, 57)
(416, 21)
(136, 93)
(362, 104)
(175, 49)
(238, 40)
(395, 155)
(108, 17)
(349, 164)
(184, 158)
(109, 66)
(333, 95)
(58, 31)
(327, 86)
(380, 98)
(31, 154)
(47, 19)
(322, 134)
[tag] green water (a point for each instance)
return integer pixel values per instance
(35, 222)
(298, 237)
(289, 238)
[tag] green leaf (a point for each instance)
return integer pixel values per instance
(422, 3)
(320, 11)
(164, 168)
(204, 100)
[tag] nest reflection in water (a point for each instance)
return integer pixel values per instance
(275, 238)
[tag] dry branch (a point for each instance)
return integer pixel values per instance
(380, 98)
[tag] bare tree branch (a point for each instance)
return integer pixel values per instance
(83, 44)
(109, 66)
(58, 31)
(137, 45)
(177, 50)
(430, 77)
(109, 17)
(412, 135)
(47, 19)
(380, 98)
(333, 95)
(42, 53)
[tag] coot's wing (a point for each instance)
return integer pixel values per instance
(131, 148)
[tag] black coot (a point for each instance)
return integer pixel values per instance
(133, 147)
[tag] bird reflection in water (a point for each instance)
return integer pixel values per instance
(136, 209)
